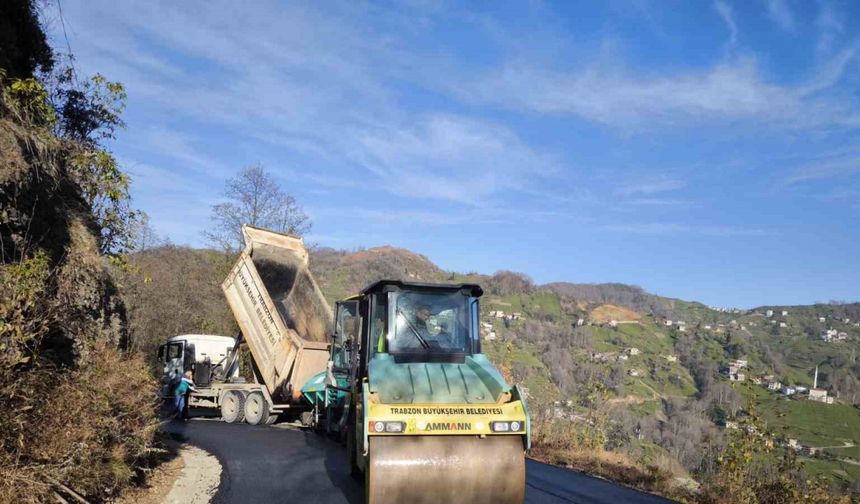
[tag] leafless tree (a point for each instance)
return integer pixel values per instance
(254, 197)
(143, 235)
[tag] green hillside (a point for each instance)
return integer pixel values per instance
(645, 368)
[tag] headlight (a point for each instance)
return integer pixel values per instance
(514, 426)
(391, 427)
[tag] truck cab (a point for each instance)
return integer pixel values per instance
(199, 353)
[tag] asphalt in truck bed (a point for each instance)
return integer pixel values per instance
(283, 465)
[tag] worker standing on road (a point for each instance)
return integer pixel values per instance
(180, 395)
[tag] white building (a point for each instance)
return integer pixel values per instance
(783, 324)
(788, 391)
(822, 319)
(768, 313)
(784, 313)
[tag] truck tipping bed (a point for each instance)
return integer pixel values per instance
(281, 311)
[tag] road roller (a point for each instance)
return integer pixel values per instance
(425, 415)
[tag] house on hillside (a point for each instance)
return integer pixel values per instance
(768, 313)
(783, 324)
(668, 323)
(634, 372)
(774, 385)
(708, 327)
(842, 336)
(819, 395)
(829, 334)
(613, 323)
(734, 371)
(801, 389)
(788, 391)
(497, 314)
(741, 363)
(784, 313)
(671, 358)
(632, 351)
(822, 319)
(601, 356)
(622, 357)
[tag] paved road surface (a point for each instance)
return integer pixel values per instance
(278, 465)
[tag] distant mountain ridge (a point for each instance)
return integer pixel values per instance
(346, 272)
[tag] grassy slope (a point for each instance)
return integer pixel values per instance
(811, 423)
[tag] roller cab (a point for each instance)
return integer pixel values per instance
(426, 415)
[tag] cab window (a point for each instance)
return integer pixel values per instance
(174, 351)
(345, 329)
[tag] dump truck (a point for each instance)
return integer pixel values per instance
(285, 322)
(425, 415)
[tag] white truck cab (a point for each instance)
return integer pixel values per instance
(184, 352)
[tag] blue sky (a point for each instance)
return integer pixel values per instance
(702, 150)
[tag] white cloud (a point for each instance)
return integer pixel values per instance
(727, 14)
(730, 91)
(830, 26)
(824, 169)
(672, 229)
(651, 187)
(452, 157)
(779, 11)
(319, 85)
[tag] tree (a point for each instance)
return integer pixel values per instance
(254, 197)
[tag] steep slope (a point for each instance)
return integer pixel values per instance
(343, 273)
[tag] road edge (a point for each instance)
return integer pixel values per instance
(200, 477)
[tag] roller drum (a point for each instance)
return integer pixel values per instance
(445, 469)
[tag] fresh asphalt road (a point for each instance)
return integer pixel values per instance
(283, 465)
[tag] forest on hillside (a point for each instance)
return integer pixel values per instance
(647, 430)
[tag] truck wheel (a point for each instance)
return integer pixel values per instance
(233, 406)
(256, 409)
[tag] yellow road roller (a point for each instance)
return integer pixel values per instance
(427, 417)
